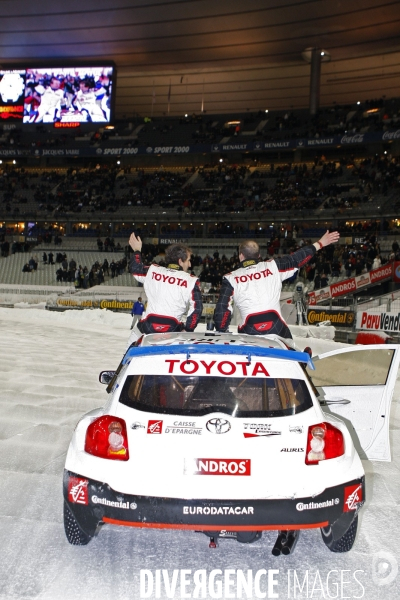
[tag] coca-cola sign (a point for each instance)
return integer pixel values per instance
(357, 138)
(391, 135)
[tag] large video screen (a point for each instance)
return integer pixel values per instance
(78, 94)
(12, 88)
(61, 94)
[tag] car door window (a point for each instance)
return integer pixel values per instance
(365, 367)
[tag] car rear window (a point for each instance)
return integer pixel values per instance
(197, 396)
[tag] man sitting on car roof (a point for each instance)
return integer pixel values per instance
(171, 291)
(256, 285)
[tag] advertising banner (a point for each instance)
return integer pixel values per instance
(347, 286)
(362, 280)
(339, 318)
(114, 305)
(12, 110)
(319, 295)
(382, 273)
(351, 285)
(378, 319)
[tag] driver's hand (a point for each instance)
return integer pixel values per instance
(135, 243)
(329, 238)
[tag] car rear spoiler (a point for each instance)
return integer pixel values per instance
(248, 351)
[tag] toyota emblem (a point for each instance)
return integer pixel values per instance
(218, 425)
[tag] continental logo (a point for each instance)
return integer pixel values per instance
(337, 317)
(111, 304)
(83, 303)
(115, 304)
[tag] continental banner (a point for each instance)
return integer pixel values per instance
(339, 318)
(81, 303)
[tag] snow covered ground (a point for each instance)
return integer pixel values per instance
(49, 378)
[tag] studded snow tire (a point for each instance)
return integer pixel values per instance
(74, 533)
(343, 544)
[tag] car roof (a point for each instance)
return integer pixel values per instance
(227, 339)
(224, 343)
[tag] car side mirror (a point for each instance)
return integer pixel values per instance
(106, 376)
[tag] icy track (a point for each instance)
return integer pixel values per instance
(49, 378)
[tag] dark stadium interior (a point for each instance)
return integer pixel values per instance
(212, 135)
(225, 55)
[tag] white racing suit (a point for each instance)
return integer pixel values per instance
(171, 293)
(256, 288)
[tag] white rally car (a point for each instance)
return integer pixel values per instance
(228, 435)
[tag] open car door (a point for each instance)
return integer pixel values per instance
(356, 384)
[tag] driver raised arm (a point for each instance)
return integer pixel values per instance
(256, 285)
(171, 291)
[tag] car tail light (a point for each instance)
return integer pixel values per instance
(324, 441)
(106, 437)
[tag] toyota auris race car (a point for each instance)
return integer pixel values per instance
(231, 435)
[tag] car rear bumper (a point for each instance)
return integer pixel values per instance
(93, 502)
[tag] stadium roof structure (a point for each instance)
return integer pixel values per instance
(192, 56)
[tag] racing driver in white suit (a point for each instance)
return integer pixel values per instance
(171, 291)
(256, 285)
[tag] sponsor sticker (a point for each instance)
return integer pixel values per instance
(352, 497)
(296, 428)
(218, 510)
(137, 425)
(300, 506)
(78, 490)
(213, 367)
(259, 430)
(218, 466)
(183, 428)
(113, 503)
(154, 426)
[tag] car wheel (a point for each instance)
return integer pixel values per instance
(74, 533)
(343, 544)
